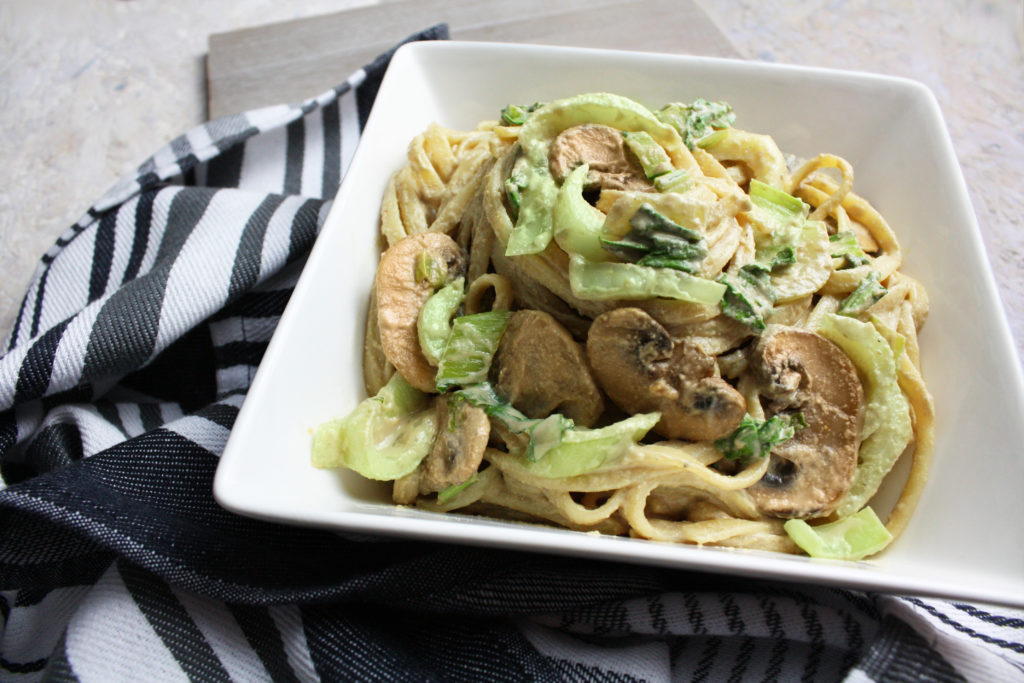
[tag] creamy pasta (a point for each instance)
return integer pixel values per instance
(641, 322)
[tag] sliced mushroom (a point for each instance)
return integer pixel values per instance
(642, 370)
(801, 371)
(612, 165)
(540, 370)
(458, 447)
(408, 274)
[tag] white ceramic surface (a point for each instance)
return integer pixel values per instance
(966, 540)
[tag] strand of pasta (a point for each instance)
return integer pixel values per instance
(923, 412)
(444, 171)
(890, 256)
(634, 509)
(504, 296)
(837, 195)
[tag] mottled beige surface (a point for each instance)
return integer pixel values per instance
(88, 90)
(91, 87)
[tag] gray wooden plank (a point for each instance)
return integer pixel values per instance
(292, 60)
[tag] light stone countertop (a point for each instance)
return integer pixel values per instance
(86, 97)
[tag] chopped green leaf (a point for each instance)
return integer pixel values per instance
(384, 438)
(678, 180)
(606, 281)
(547, 434)
(483, 395)
(651, 224)
(430, 268)
(659, 260)
(713, 139)
(850, 538)
(863, 297)
(533, 229)
(556, 447)
(887, 427)
(582, 450)
(434, 323)
(471, 345)
(516, 114)
(657, 241)
(576, 224)
(652, 156)
(749, 295)
(754, 438)
(697, 120)
(783, 257)
(784, 207)
(626, 249)
(544, 434)
(844, 245)
(516, 182)
(446, 494)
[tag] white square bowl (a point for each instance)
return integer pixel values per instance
(966, 539)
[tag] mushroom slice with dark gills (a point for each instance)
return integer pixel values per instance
(462, 433)
(642, 370)
(801, 371)
(612, 165)
(540, 369)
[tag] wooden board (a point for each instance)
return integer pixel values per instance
(290, 61)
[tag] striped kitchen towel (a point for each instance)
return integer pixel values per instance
(131, 354)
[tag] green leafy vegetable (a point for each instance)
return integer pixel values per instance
(887, 428)
(576, 224)
(430, 268)
(652, 156)
(795, 248)
(583, 450)
(783, 207)
(384, 438)
(516, 114)
(850, 538)
(434, 323)
(467, 355)
(845, 246)
(863, 297)
(697, 120)
(783, 257)
(516, 182)
(678, 180)
(749, 295)
(556, 447)
(544, 434)
(608, 280)
(754, 438)
(483, 395)
(446, 494)
(650, 224)
(658, 242)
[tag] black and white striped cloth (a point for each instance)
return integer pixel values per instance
(127, 364)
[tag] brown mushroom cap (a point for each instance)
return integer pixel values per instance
(642, 370)
(458, 447)
(540, 369)
(400, 295)
(612, 165)
(801, 371)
